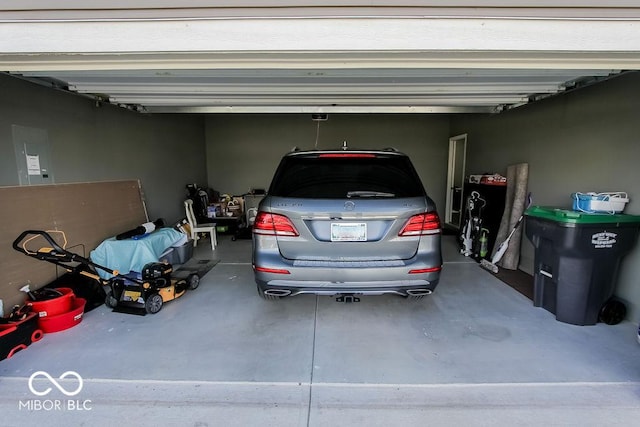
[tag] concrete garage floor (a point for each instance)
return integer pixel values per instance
(475, 353)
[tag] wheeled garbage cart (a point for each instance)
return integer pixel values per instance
(577, 257)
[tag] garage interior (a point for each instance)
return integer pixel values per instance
(216, 95)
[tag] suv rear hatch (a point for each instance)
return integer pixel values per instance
(353, 207)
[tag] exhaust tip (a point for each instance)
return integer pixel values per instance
(277, 293)
(418, 292)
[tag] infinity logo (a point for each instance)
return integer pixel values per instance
(55, 383)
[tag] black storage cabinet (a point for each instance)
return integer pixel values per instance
(577, 256)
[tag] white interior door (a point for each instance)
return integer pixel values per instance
(455, 180)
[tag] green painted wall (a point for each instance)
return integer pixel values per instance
(90, 143)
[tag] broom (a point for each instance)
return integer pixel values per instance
(492, 265)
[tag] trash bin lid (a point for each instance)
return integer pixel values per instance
(568, 216)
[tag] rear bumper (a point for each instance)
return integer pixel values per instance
(272, 271)
(363, 281)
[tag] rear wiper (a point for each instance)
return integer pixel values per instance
(369, 194)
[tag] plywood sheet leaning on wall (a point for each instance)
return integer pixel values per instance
(88, 213)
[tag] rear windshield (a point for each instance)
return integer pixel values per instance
(346, 177)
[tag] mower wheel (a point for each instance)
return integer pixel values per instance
(153, 304)
(193, 281)
(110, 301)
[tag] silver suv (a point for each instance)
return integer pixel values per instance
(346, 223)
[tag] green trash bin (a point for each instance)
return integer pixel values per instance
(577, 257)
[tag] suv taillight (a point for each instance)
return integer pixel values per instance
(274, 225)
(421, 224)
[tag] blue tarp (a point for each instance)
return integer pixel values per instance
(132, 254)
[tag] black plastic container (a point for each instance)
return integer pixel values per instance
(577, 257)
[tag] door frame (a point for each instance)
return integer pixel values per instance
(457, 147)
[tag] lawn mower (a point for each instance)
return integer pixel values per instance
(150, 289)
(138, 293)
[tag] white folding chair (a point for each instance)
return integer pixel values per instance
(199, 228)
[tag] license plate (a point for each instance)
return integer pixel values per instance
(349, 232)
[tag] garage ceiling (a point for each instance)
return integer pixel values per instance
(314, 56)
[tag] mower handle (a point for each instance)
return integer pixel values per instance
(56, 253)
(35, 233)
